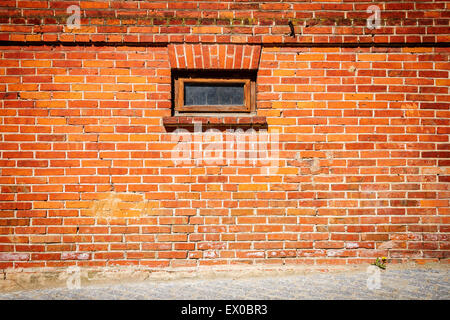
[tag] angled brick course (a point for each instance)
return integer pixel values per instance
(214, 56)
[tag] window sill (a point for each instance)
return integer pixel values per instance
(223, 121)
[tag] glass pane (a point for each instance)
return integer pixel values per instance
(213, 94)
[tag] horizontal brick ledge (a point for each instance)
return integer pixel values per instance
(189, 121)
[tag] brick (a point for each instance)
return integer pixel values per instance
(6, 256)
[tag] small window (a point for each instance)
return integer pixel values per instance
(206, 93)
(213, 94)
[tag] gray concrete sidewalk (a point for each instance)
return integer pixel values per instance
(394, 284)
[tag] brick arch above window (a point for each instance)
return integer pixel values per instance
(214, 56)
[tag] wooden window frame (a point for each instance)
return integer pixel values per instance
(249, 96)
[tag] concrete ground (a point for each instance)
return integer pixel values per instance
(395, 283)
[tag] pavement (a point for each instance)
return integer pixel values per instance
(409, 284)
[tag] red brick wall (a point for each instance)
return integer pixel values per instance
(237, 21)
(86, 175)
